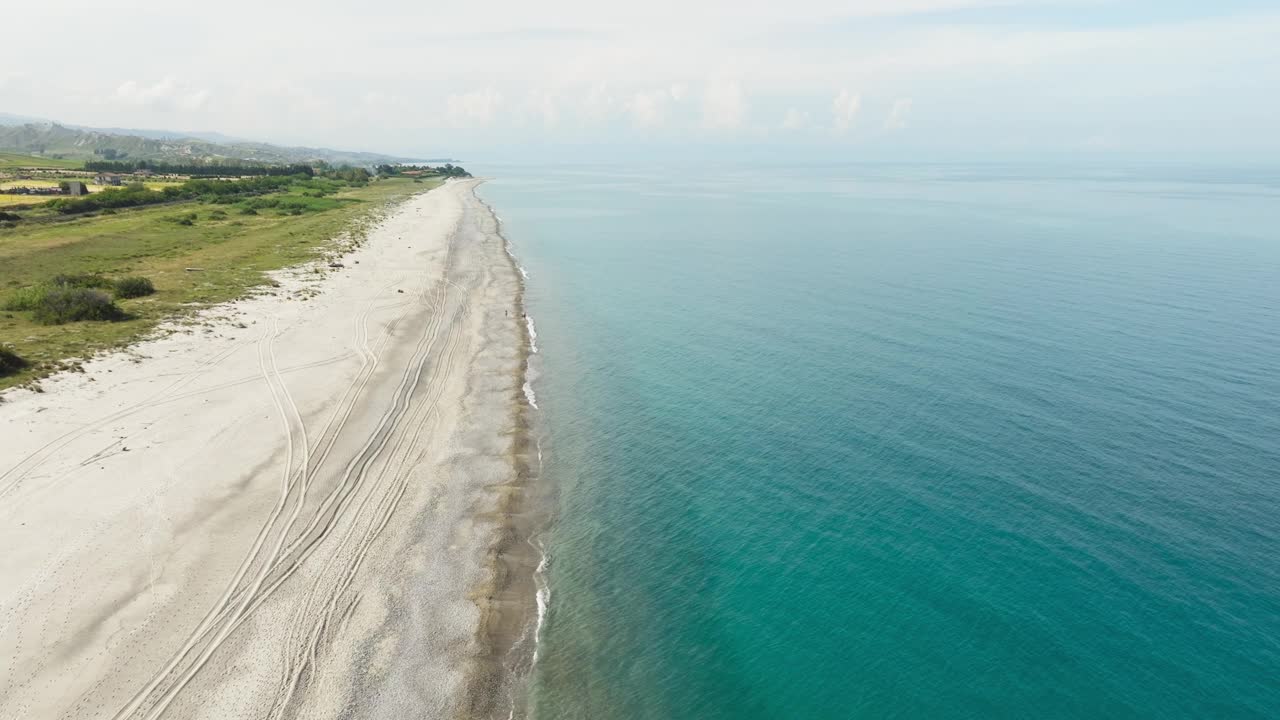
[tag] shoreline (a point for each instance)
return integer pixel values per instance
(510, 611)
(313, 503)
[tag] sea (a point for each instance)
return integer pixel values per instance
(882, 440)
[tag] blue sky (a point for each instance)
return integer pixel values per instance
(858, 78)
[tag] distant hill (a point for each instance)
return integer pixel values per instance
(11, 119)
(49, 139)
(213, 137)
(9, 161)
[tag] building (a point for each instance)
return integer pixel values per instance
(143, 172)
(75, 187)
(107, 179)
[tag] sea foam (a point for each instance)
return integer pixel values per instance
(533, 333)
(543, 597)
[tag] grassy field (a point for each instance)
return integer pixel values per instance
(87, 180)
(233, 247)
(13, 160)
(12, 200)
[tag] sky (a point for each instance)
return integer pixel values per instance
(858, 78)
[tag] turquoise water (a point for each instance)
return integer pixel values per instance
(906, 441)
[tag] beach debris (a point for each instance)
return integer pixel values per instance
(193, 269)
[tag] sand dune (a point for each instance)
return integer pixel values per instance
(286, 513)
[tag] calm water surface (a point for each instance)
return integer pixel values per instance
(913, 442)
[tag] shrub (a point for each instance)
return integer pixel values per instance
(81, 280)
(186, 221)
(248, 211)
(11, 217)
(26, 298)
(29, 298)
(217, 215)
(68, 304)
(111, 198)
(133, 287)
(10, 362)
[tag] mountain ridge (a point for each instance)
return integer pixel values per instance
(52, 139)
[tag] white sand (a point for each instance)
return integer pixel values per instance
(276, 515)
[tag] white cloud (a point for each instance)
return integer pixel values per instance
(132, 91)
(549, 110)
(648, 109)
(844, 111)
(796, 120)
(724, 106)
(598, 103)
(898, 114)
(550, 71)
(167, 94)
(478, 107)
(10, 77)
(194, 100)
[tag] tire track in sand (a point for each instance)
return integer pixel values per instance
(235, 608)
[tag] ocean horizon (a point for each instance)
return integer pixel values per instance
(903, 440)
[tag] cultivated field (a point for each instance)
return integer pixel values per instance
(12, 200)
(14, 160)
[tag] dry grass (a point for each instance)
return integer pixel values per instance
(27, 183)
(10, 200)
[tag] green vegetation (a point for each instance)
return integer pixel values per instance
(213, 260)
(9, 161)
(446, 170)
(11, 362)
(219, 191)
(67, 298)
(26, 298)
(81, 280)
(137, 194)
(210, 168)
(346, 174)
(62, 304)
(33, 297)
(134, 287)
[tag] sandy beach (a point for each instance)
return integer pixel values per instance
(296, 508)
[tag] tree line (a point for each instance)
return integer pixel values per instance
(446, 170)
(197, 169)
(354, 176)
(137, 194)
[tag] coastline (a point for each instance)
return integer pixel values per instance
(312, 503)
(511, 611)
